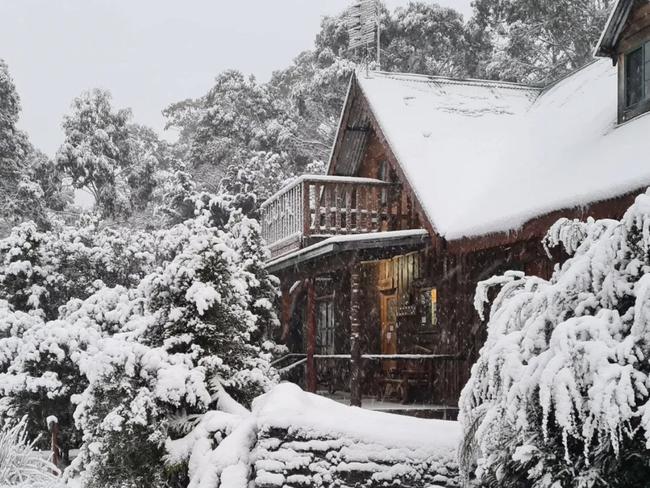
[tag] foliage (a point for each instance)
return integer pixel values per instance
(20, 463)
(532, 41)
(117, 333)
(113, 159)
(27, 182)
(559, 395)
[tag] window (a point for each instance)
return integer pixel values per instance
(326, 328)
(637, 76)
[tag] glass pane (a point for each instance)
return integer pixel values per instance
(647, 52)
(647, 70)
(634, 77)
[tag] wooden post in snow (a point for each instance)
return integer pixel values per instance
(355, 337)
(53, 427)
(311, 335)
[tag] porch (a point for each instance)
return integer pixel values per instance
(405, 389)
(359, 317)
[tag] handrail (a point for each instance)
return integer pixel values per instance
(316, 206)
(322, 179)
(372, 357)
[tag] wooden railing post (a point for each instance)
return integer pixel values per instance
(306, 209)
(355, 337)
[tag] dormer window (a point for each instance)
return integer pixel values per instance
(626, 40)
(637, 76)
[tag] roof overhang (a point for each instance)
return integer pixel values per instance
(609, 38)
(335, 252)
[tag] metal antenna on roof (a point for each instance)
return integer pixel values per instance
(363, 23)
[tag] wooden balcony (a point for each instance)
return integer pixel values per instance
(312, 208)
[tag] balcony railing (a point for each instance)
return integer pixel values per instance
(313, 207)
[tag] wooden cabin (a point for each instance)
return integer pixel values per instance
(435, 184)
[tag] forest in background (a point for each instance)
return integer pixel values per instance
(245, 138)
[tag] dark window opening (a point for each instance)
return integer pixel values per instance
(326, 327)
(637, 76)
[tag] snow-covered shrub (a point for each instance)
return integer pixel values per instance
(559, 396)
(41, 271)
(195, 335)
(118, 332)
(44, 322)
(21, 464)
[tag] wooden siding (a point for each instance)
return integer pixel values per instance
(637, 28)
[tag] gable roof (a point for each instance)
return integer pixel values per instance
(486, 157)
(606, 46)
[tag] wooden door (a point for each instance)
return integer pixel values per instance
(388, 314)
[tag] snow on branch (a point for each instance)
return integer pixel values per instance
(565, 365)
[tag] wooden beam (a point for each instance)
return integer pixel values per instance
(355, 336)
(311, 336)
(285, 313)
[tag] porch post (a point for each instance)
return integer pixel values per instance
(311, 335)
(285, 315)
(355, 337)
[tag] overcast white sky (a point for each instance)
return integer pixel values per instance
(149, 53)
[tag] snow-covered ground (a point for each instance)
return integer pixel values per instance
(293, 438)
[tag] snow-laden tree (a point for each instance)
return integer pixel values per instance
(236, 118)
(96, 152)
(110, 157)
(263, 174)
(13, 146)
(86, 313)
(44, 321)
(41, 271)
(28, 185)
(559, 395)
(533, 41)
(197, 333)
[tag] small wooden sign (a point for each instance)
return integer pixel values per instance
(407, 311)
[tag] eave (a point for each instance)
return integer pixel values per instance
(606, 47)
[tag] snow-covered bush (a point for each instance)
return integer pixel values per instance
(44, 322)
(117, 333)
(42, 271)
(20, 464)
(196, 333)
(559, 396)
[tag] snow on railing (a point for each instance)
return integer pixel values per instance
(324, 206)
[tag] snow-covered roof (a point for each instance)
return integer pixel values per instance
(486, 157)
